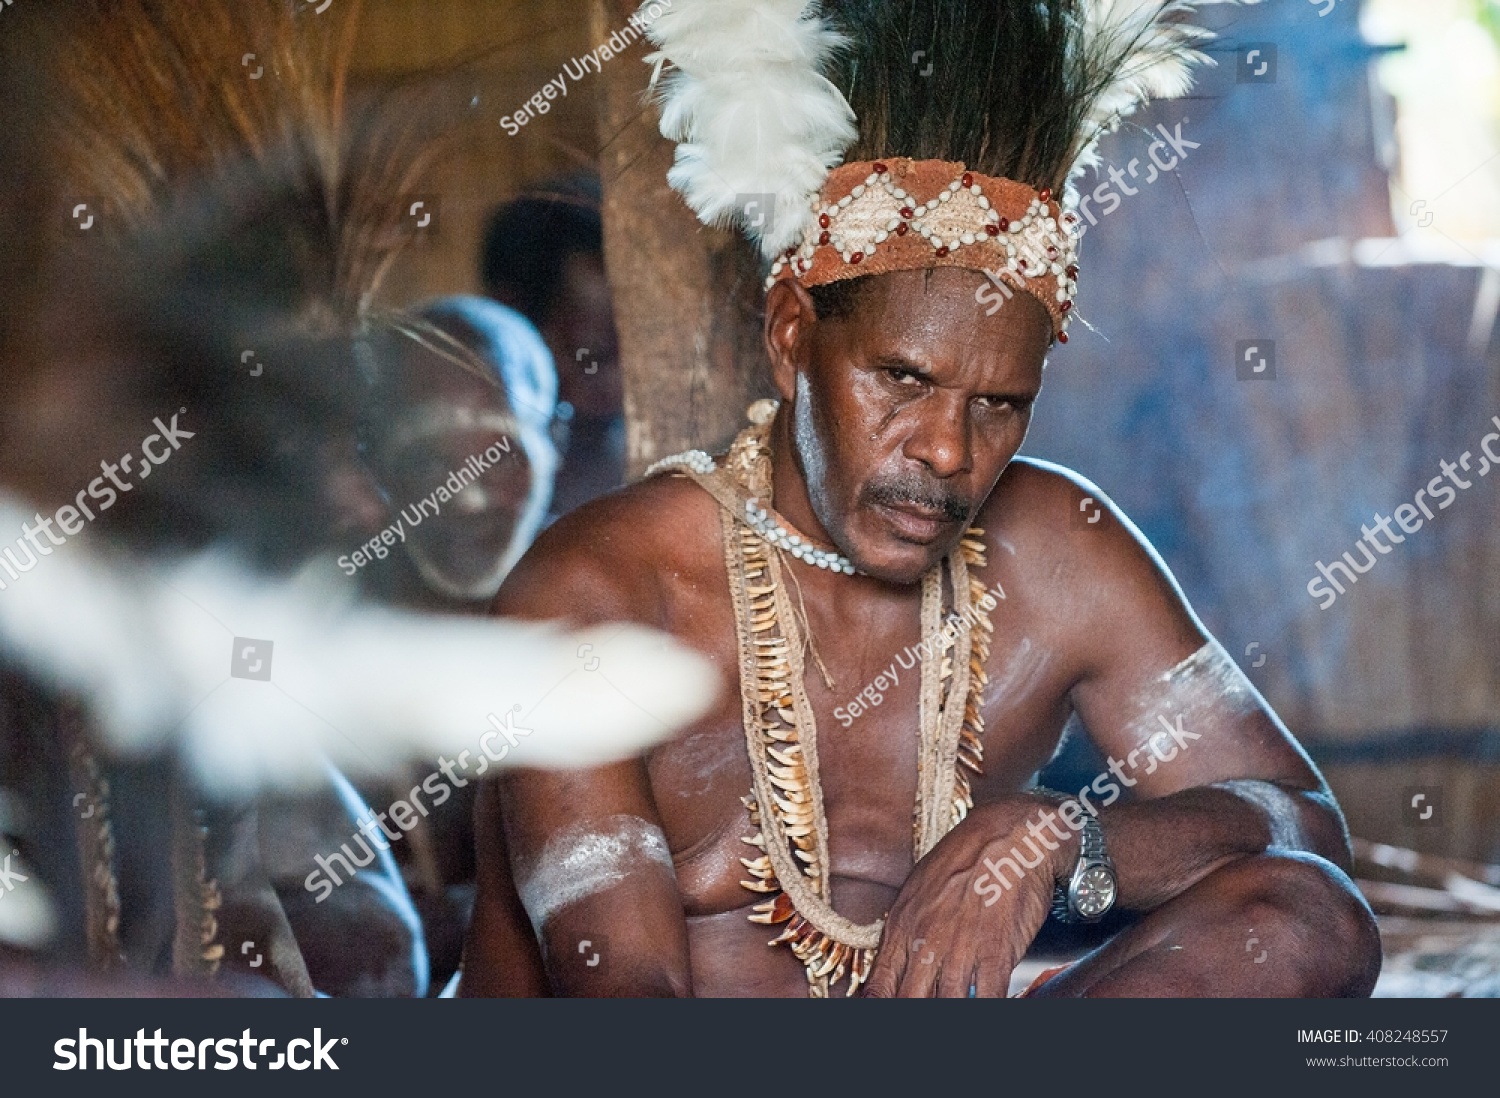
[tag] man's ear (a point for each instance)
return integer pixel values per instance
(790, 319)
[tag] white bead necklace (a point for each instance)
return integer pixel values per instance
(765, 522)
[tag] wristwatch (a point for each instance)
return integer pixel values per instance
(1089, 893)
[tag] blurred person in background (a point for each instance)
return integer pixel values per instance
(544, 257)
(217, 275)
(457, 463)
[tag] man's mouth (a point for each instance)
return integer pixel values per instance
(916, 523)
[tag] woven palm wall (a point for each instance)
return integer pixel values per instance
(1274, 233)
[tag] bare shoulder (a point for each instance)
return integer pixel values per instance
(1074, 557)
(1038, 504)
(619, 557)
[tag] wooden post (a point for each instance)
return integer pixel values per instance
(687, 299)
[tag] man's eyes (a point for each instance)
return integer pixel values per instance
(909, 379)
(1004, 404)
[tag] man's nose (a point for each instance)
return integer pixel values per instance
(940, 440)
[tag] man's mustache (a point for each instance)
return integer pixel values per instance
(914, 489)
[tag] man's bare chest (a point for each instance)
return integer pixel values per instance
(862, 679)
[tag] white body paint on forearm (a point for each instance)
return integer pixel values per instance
(585, 859)
(1280, 807)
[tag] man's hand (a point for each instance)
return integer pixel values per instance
(955, 929)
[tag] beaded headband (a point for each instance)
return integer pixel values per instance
(875, 217)
(762, 130)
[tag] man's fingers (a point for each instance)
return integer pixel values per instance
(918, 983)
(992, 978)
(957, 974)
(885, 975)
(924, 965)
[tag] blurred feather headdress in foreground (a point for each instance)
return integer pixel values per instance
(243, 200)
(241, 195)
(896, 135)
(256, 681)
(164, 98)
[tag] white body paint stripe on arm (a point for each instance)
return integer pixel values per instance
(586, 859)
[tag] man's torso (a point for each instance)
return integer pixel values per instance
(867, 640)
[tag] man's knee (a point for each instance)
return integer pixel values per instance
(1309, 907)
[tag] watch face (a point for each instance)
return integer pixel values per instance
(1094, 894)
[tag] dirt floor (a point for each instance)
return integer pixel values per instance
(1439, 958)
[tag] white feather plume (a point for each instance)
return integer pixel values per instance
(28, 918)
(751, 111)
(149, 649)
(1147, 52)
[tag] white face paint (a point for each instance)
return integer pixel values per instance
(810, 453)
(583, 860)
(1205, 687)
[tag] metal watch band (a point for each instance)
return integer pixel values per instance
(1091, 849)
(1092, 839)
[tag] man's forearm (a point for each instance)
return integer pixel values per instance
(602, 896)
(1163, 847)
(604, 970)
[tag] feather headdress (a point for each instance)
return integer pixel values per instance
(1134, 51)
(754, 116)
(156, 651)
(1021, 91)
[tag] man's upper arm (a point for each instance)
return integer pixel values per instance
(595, 876)
(1159, 696)
(589, 858)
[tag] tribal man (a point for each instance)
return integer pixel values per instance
(910, 612)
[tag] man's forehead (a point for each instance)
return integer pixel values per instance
(935, 320)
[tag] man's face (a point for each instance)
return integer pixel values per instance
(462, 550)
(905, 413)
(580, 332)
(444, 417)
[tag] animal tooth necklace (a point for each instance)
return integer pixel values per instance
(786, 798)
